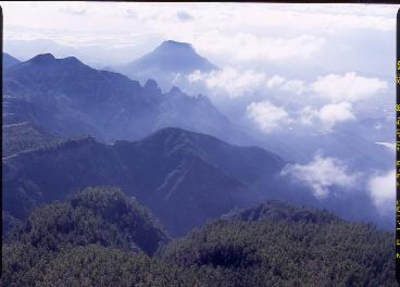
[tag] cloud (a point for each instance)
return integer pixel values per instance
(321, 175)
(389, 146)
(275, 81)
(247, 48)
(229, 80)
(267, 116)
(382, 190)
(183, 16)
(349, 87)
(328, 116)
(130, 13)
(296, 87)
(74, 11)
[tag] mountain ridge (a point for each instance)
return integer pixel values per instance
(170, 169)
(69, 97)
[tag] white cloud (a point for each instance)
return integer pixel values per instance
(74, 11)
(382, 189)
(235, 83)
(267, 116)
(389, 146)
(349, 87)
(247, 48)
(296, 87)
(322, 174)
(275, 81)
(328, 116)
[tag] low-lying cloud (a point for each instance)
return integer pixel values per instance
(230, 82)
(321, 175)
(328, 116)
(348, 87)
(382, 190)
(267, 116)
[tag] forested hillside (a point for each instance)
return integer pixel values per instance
(102, 238)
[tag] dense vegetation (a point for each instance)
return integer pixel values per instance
(25, 136)
(101, 215)
(102, 238)
(265, 253)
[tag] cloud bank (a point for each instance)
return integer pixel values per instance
(321, 175)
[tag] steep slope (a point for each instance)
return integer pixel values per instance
(169, 171)
(67, 97)
(72, 97)
(9, 61)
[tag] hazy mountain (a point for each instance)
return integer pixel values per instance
(9, 60)
(168, 60)
(172, 56)
(68, 97)
(171, 170)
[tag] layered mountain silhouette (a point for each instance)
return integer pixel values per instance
(9, 61)
(68, 97)
(185, 178)
(164, 63)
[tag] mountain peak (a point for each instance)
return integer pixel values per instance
(170, 56)
(47, 58)
(176, 44)
(175, 91)
(152, 87)
(43, 58)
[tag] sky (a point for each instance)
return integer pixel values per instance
(306, 67)
(227, 33)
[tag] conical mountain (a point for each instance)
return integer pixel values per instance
(171, 56)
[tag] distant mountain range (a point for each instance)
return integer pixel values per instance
(47, 101)
(67, 97)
